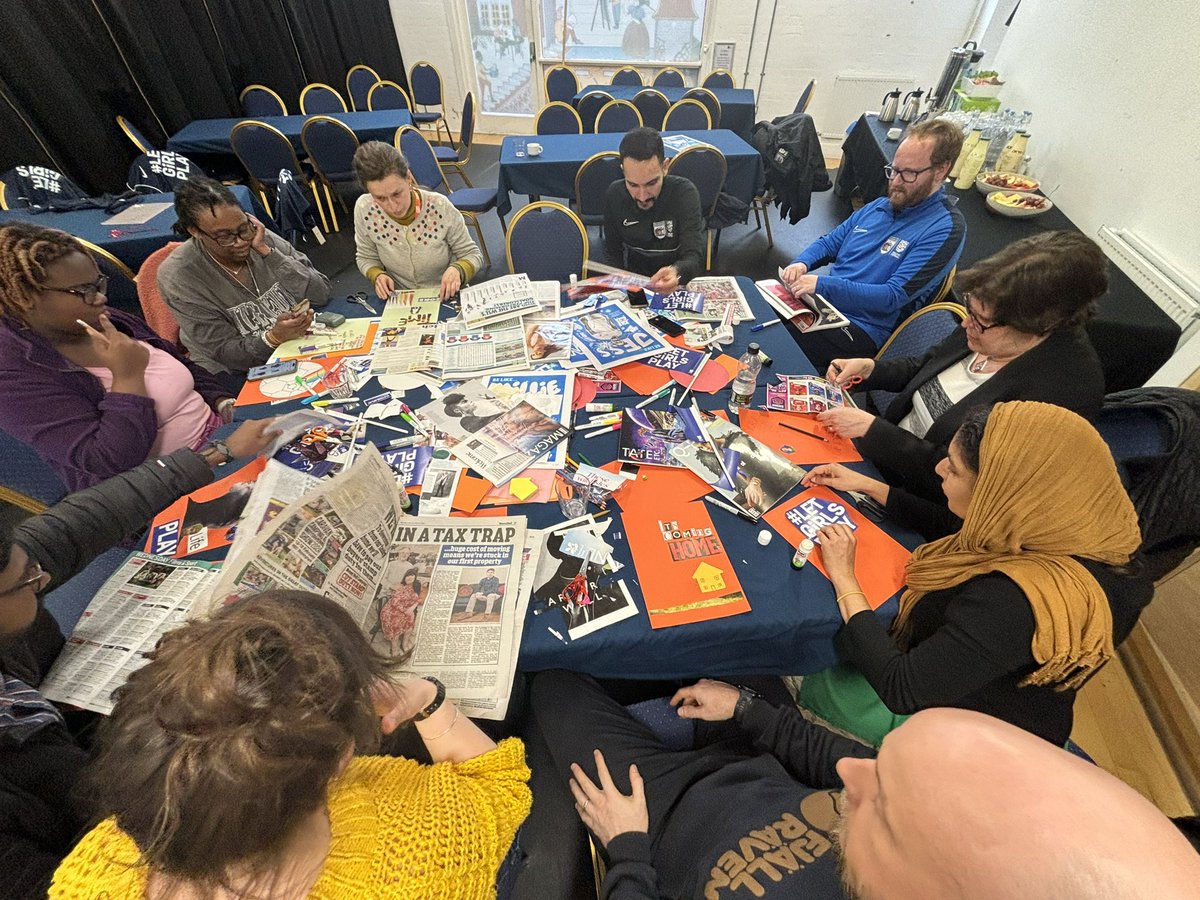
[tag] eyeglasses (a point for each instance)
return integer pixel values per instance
(87, 293)
(908, 176)
(969, 300)
(26, 582)
(228, 238)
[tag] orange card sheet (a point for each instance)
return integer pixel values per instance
(205, 518)
(879, 562)
(284, 387)
(642, 378)
(470, 492)
(685, 574)
(768, 428)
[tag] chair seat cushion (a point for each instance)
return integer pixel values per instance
(426, 116)
(474, 199)
(445, 154)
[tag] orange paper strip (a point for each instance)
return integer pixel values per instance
(879, 561)
(641, 378)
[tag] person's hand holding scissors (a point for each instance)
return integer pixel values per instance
(849, 372)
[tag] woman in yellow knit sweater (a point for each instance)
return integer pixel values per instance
(229, 768)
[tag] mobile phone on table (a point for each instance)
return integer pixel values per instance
(666, 326)
(271, 369)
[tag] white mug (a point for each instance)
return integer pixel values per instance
(535, 149)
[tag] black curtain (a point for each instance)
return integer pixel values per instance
(67, 69)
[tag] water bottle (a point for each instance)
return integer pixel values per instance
(742, 391)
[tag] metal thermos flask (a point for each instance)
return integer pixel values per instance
(891, 103)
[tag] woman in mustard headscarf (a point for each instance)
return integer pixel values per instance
(1013, 613)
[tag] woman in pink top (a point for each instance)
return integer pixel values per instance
(94, 391)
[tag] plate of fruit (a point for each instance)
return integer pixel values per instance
(1017, 205)
(987, 182)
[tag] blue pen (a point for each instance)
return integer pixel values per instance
(765, 325)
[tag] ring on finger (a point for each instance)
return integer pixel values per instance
(586, 802)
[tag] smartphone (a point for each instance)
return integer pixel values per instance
(301, 307)
(279, 367)
(666, 326)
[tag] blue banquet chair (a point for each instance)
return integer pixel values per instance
(617, 116)
(669, 76)
(132, 132)
(557, 117)
(264, 151)
(591, 184)
(455, 159)
(709, 101)
(561, 84)
(36, 187)
(706, 168)
(321, 99)
(652, 106)
(718, 79)
(687, 115)
(547, 242)
(359, 79)
(388, 95)
(330, 145)
(627, 76)
(914, 336)
(425, 81)
(589, 107)
(259, 101)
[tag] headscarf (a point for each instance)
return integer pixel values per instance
(1047, 491)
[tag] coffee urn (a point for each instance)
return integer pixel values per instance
(942, 95)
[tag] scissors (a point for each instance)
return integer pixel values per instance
(853, 380)
(360, 298)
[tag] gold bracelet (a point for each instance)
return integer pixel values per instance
(842, 597)
(453, 722)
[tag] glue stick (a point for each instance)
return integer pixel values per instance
(800, 557)
(600, 407)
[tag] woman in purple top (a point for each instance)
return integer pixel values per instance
(94, 391)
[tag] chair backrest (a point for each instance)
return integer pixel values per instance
(388, 95)
(426, 84)
(591, 184)
(687, 115)
(160, 171)
(718, 79)
(547, 241)
(653, 106)
(26, 480)
(914, 336)
(557, 117)
(122, 283)
(806, 96)
(260, 101)
(36, 187)
(330, 145)
(590, 105)
(466, 133)
(318, 98)
(130, 130)
(629, 76)
(422, 161)
(263, 150)
(672, 730)
(617, 116)
(669, 76)
(561, 84)
(154, 308)
(358, 82)
(710, 102)
(706, 168)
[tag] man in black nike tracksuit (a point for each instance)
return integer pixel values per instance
(652, 221)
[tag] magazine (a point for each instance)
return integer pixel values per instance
(804, 394)
(575, 575)
(678, 301)
(550, 393)
(612, 334)
(720, 292)
(144, 599)
(419, 307)
(738, 467)
(407, 348)
(467, 353)
(648, 436)
(498, 300)
(496, 437)
(808, 312)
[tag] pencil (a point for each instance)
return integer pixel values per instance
(586, 461)
(699, 368)
(802, 431)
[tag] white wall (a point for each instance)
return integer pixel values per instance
(1114, 89)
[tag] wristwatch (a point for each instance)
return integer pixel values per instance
(220, 448)
(438, 699)
(746, 696)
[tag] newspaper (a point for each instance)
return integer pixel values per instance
(407, 348)
(720, 292)
(144, 599)
(496, 437)
(467, 353)
(497, 300)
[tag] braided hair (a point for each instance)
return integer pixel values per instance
(197, 194)
(25, 252)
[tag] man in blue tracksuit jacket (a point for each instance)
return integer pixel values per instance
(893, 253)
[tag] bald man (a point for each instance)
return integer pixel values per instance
(957, 806)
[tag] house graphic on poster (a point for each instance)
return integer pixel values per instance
(709, 578)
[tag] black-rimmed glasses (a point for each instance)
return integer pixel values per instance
(968, 302)
(245, 232)
(27, 581)
(908, 176)
(87, 293)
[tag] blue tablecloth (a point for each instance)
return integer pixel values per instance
(793, 617)
(552, 174)
(737, 104)
(212, 135)
(129, 243)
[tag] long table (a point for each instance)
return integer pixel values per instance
(793, 617)
(1132, 335)
(211, 136)
(552, 174)
(737, 104)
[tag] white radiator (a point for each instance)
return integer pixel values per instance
(852, 95)
(1176, 294)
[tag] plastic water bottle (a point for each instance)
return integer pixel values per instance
(744, 384)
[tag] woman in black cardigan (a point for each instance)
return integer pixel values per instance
(1023, 339)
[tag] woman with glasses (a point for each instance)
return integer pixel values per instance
(237, 290)
(94, 391)
(1023, 339)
